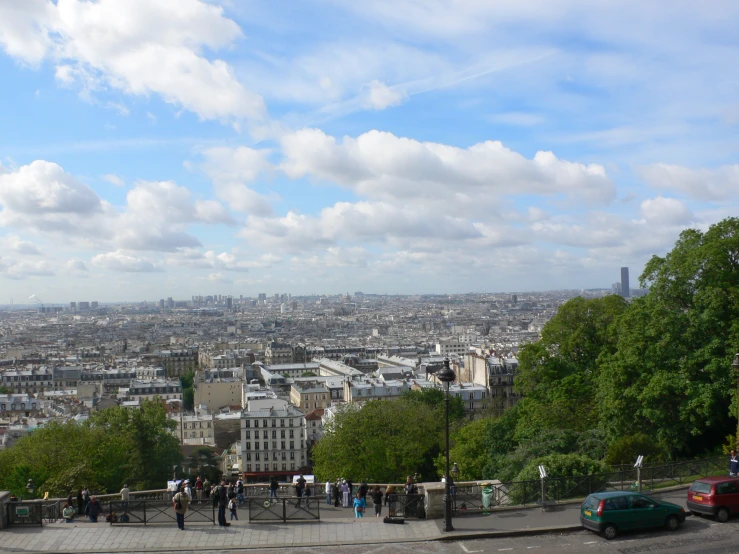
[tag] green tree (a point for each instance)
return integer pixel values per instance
(566, 477)
(204, 462)
(670, 374)
(188, 390)
(468, 450)
(381, 441)
(435, 398)
(628, 448)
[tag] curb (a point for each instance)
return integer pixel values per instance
(454, 536)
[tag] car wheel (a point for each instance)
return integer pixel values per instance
(672, 523)
(610, 532)
(722, 515)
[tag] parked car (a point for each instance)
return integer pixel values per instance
(609, 513)
(714, 496)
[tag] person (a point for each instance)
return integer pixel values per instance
(68, 512)
(391, 500)
(299, 491)
(93, 509)
(180, 502)
(199, 488)
(328, 492)
(273, 487)
(363, 488)
(13, 498)
(232, 508)
(351, 488)
(206, 488)
(231, 491)
(125, 492)
(360, 504)
(733, 464)
(410, 486)
(345, 493)
(308, 492)
(337, 493)
(85, 496)
(377, 500)
(240, 492)
(70, 498)
(220, 495)
(80, 502)
(188, 489)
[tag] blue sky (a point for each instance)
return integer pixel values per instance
(179, 147)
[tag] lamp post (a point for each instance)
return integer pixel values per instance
(735, 365)
(30, 487)
(447, 376)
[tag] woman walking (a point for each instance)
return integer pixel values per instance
(360, 505)
(345, 493)
(377, 500)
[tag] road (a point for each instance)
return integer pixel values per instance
(697, 535)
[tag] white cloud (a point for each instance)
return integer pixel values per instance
(20, 246)
(23, 269)
(114, 180)
(717, 184)
(122, 45)
(667, 211)
(120, 261)
(378, 96)
(522, 119)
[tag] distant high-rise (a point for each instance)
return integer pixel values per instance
(161, 303)
(625, 289)
(229, 303)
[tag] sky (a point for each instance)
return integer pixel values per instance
(156, 148)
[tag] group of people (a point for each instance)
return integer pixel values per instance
(343, 491)
(224, 496)
(84, 504)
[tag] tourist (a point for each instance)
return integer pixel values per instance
(337, 493)
(363, 488)
(124, 497)
(199, 488)
(360, 504)
(410, 486)
(220, 495)
(179, 503)
(328, 492)
(377, 500)
(273, 487)
(240, 492)
(391, 500)
(86, 496)
(80, 502)
(70, 498)
(733, 464)
(345, 493)
(93, 509)
(232, 508)
(68, 512)
(188, 489)
(299, 488)
(206, 488)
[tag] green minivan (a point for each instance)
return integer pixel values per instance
(611, 512)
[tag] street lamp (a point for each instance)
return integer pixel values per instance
(735, 365)
(30, 487)
(447, 376)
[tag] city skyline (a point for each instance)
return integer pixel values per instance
(155, 148)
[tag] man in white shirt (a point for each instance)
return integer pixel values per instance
(124, 497)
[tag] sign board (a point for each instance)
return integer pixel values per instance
(22, 511)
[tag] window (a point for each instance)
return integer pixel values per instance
(284, 456)
(264, 423)
(256, 423)
(274, 423)
(257, 468)
(274, 445)
(274, 434)
(284, 467)
(266, 445)
(248, 423)
(282, 434)
(292, 445)
(247, 446)
(729, 487)
(292, 455)
(636, 502)
(292, 466)
(292, 434)
(248, 467)
(247, 435)
(274, 456)
(256, 456)
(291, 423)
(248, 456)
(282, 445)
(282, 423)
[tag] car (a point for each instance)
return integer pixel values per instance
(609, 513)
(714, 496)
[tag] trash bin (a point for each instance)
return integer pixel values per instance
(487, 496)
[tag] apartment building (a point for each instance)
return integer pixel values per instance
(150, 389)
(310, 395)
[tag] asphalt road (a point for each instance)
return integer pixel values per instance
(697, 535)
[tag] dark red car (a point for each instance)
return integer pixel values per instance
(714, 496)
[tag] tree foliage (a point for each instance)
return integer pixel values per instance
(115, 446)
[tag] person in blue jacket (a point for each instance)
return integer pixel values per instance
(360, 505)
(733, 464)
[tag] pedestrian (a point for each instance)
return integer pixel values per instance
(220, 495)
(345, 493)
(125, 494)
(377, 500)
(80, 502)
(733, 464)
(360, 504)
(93, 509)
(298, 493)
(351, 488)
(180, 502)
(328, 492)
(391, 500)
(188, 489)
(363, 488)
(70, 498)
(206, 488)
(199, 488)
(337, 493)
(85, 496)
(232, 508)
(240, 492)
(308, 493)
(68, 512)
(273, 487)
(410, 486)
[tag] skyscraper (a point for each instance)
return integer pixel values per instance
(625, 289)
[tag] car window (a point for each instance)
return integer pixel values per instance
(727, 488)
(591, 502)
(617, 503)
(701, 487)
(641, 502)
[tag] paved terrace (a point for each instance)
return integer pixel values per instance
(337, 527)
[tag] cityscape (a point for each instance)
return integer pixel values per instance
(448, 276)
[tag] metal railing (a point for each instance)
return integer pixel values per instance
(156, 511)
(284, 509)
(408, 506)
(25, 513)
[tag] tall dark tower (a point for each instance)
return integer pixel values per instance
(625, 289)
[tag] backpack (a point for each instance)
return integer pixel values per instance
(232, 504)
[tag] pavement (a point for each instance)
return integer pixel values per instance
(336, 527)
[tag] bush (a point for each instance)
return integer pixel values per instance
(567, 476)
(628, 448)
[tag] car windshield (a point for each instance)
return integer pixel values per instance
(591, 503)
(701, 487)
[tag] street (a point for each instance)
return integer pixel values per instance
(697, 535)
